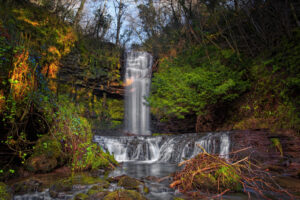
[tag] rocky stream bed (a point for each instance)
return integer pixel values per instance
(146, 180)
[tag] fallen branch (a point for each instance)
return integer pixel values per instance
(214, 174)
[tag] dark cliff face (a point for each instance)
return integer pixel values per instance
(91, 69)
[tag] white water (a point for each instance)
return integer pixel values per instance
(168, 149)
(137, 86)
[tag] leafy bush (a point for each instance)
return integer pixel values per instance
(191, 82)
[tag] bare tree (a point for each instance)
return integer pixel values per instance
(120, 8)
(79, 13)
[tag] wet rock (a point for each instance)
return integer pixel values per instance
(124, 194)
(28, 186)
(98, 195)
(115, 179)
(81, 196)
(5, 192)
(41, 164)
(60, 186)
(98, 172)
(130, 183)
(95, 189)
(46, 157)
(88, 180)
(75, 183)
(152, 178)
(63, 170)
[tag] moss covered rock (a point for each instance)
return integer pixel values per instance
(60, 186)
(66, 185)
(95, 189)
(124, 194)
(46, 157)
(130, 183)
(81, 196)
(41, 163)
(5, 193)
(98, 195)
(27, 186)
(88, 180)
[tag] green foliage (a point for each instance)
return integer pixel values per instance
(229, 177)
(75, 132)
(32, 44)
(277, 145)
(101, 63)
(191, 82)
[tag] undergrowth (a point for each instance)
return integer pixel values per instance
(32, 44)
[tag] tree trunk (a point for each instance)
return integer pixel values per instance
(78, 14)
(119, 23)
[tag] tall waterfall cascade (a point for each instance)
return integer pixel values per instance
(169, 149)
(137, 87)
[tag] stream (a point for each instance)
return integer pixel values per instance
(150, 159)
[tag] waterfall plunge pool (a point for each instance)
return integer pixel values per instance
(153, 159)
(150, 159)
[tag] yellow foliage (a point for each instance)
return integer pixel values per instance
(33, 23)
(67, 39)
(53, 50)
(51, 70)
(22, 79)
(52, 85)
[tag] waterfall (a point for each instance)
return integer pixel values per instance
(168, 149)
(137, 86)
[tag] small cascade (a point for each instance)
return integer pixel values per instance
(167, 149)
(137, 86)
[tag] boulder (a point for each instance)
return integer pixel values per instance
(41, 163)
(124, 194)
(27, 186)
(46, 157)
(60, 186)
(67, 184)
(81, 196)
(130, 183)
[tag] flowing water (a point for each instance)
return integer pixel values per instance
(164, 149)
(156, 157)
(137, 81)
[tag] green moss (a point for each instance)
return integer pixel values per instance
(277, 145)
(66, 184)
(88, 180)
(230, 179)
(146, 190)
(48, 146)
(4, 192)
(47, 155)
(130, 183)
(159, 134)
(81, 196)
(124, 194)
